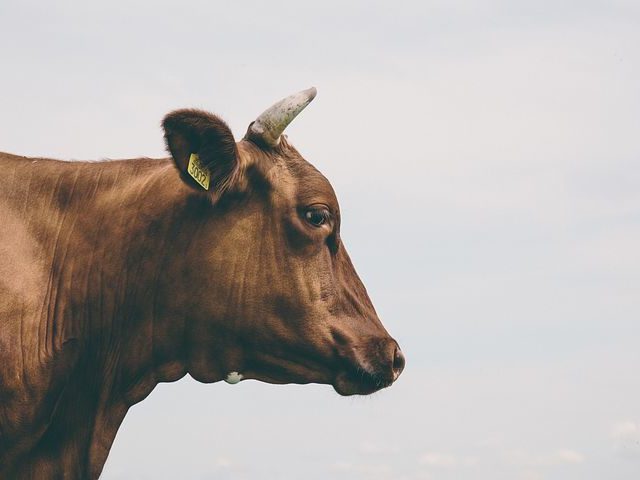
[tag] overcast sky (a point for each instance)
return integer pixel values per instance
(487, 160)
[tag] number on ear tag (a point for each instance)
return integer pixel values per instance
(199, 172)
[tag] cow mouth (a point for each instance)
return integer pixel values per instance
(359, 382)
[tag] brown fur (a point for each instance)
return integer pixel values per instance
(117, 275)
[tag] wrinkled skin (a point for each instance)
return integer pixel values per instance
(118, 275)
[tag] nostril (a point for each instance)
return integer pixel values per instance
(398, 362)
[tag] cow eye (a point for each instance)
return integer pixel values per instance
(317, 216)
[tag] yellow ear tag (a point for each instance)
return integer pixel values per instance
(199, 172)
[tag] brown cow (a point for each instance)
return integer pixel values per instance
(117, 275)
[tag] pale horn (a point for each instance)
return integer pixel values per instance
(268, 127)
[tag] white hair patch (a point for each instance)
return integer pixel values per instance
(233, 378)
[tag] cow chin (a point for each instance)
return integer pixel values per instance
(359, 382)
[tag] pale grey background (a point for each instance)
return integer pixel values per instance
(487, 159)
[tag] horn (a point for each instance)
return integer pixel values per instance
(267, 128)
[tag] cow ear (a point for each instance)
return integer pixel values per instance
(203, 149)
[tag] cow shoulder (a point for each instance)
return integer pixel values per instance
(36, 357)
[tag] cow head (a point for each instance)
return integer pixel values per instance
(267, 289)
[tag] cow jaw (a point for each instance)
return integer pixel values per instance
(287, 367)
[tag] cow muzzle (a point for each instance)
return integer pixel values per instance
(373, 366)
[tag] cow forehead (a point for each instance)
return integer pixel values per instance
(290, 174)
(313, 187)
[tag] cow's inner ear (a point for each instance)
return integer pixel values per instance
(203, 149)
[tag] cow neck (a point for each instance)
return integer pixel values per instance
(113, 242)
(136, 341)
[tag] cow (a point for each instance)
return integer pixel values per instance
(223, 261)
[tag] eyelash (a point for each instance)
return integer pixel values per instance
(318, 216)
